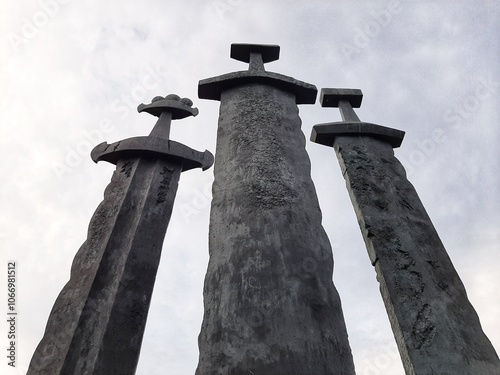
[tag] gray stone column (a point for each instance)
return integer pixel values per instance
(97, 322)
(436, 328)
(270, 303)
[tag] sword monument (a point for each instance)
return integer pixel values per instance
(270, 303)
(436, 328)
(97, 322)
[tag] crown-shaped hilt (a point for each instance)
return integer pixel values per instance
(168, 108)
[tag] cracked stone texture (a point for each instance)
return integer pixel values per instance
(270, 304)
(97, 322)
(436, 328)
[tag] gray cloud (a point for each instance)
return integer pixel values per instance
(76, 79)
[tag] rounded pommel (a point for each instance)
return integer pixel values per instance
(242, 51)
(180, 108)
(332, 97)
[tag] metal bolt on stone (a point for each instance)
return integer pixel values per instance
(270, 303)
(97, 322)
(435, 326)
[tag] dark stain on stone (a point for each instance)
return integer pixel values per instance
(164, 185)
(405, 203)
(405, 261)
(423, 330)
(127, 168)
(381, 204)
(434, 264)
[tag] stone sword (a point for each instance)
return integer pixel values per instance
(270, 303)
(435, 326)
(98, 320)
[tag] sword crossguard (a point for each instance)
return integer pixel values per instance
(257, 55)
(157, 144)
(351, 125)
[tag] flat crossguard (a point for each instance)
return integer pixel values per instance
(351, 125)
(256, 55)
(158, 144)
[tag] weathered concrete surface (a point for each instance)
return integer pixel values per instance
(436, 328)
(270, 304)
(97, 322)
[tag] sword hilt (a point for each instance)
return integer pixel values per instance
(351, 125)
(157, 144)
(255, 54)
(168, 108)
(344, 99)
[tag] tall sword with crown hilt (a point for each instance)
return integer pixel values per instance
(97, 322)
(436, 328)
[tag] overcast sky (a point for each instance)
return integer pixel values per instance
(72, 74)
